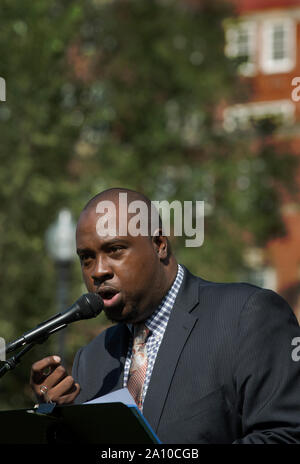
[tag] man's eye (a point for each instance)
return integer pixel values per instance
(116, 249)
(84, 259)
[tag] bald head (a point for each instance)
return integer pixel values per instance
(112, 194)
(121, 204)
(132, 271)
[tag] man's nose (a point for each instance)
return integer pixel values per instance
(102, 271)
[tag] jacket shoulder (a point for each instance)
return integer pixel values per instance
(233, 297)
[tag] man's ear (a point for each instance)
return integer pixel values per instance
(160, 244)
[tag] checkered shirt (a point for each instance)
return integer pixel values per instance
(157, 324)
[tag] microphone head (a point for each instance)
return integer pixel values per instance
(90, 305)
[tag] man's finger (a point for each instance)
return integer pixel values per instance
(38, 369)
(58, 374)
(64, 392)
(69, 397)
(45, 362)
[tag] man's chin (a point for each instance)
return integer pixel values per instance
(121, 315)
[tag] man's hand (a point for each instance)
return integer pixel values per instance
(50, 382)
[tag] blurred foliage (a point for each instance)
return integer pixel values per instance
(121, 93)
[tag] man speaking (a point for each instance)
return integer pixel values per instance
(205, 362)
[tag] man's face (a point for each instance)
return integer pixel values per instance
(124, 270)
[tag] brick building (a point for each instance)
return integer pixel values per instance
(267, 36)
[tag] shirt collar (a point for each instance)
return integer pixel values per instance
(158, 320)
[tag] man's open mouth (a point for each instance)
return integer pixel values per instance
(109, 295)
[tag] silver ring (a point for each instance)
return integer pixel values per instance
(44, 391)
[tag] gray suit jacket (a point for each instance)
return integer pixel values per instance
(224, 371)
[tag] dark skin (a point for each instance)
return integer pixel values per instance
(131, 274)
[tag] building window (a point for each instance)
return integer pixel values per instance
(241, 44)
(278, 48)
(242, 116)
(258, 272)
(264, 277)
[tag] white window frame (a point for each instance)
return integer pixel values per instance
(239, 116)
(232, 46)
(268, 64)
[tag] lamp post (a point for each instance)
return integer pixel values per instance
(60, 242)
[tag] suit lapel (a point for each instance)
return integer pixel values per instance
(179, 327)
(121, 341)
(111, 374)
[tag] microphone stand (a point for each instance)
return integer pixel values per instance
(12, 362)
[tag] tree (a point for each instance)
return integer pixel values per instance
(158, 78)
(121, 93)
(37, 130)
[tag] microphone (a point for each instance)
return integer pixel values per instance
(87, 306)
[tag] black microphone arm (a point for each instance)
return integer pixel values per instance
(86, 307)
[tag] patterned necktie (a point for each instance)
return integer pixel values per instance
(138, 367)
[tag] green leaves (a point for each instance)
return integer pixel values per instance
(122, 93)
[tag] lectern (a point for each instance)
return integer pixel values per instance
(108, 423)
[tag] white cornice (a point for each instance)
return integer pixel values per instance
(270, 14)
